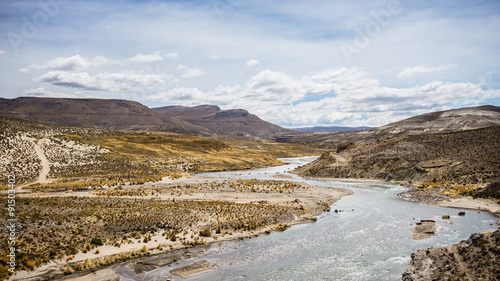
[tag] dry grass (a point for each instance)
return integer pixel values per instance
(95, 158)
(59, 227)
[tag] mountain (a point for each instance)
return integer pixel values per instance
(94, 113)
(234, 122)
(436, 122)
(330, 129)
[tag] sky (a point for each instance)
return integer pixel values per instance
(293, 63)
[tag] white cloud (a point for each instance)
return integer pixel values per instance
(192, 73)
(334, 96)
(252, 62)
(296, 44)
(124, 81)
(171, 55)
(410, 71)
(73, 63)
(139, 58)
(2, 52)
(212, 56)
(182, 95)
(42, 92)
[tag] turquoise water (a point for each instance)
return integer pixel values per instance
(369, 240)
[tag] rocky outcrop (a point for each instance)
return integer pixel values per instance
(423, 230)
(476, 258)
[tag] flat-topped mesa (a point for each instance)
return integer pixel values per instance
(93, 113)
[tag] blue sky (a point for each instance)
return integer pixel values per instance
(293, 63)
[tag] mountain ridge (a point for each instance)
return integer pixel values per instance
(94, 113)
(468, 118)
(330, 129)
(212, 121)
(237, 122)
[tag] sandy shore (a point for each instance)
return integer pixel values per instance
(471, 204)
(346, 180)
(432, 197)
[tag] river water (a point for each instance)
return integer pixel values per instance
(369, 240)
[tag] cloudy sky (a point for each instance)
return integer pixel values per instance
(293, 63)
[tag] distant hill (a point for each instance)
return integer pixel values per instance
(94, 113)
(236, 122)
(462, 158)
(330, 129)
(436, 122)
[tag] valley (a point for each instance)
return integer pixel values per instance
(96, 188)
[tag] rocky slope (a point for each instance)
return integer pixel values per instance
(234, 122)
(204, 120)
(95, 113)
(476, 258)
(467, 159)
(462, 119)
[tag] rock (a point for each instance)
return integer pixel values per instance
(196, 267)
(423, 230)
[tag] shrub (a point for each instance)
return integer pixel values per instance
(96, 241)
(206, 232)
(68, 270)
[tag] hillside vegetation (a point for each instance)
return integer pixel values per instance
(461, 162)
(448, 121)
(91, 157)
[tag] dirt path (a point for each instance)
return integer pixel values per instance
(42, 178)
(44, 162)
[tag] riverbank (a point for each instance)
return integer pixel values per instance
(431, 196)
(280, 203)
(354, 180)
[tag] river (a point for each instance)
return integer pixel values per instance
(369, 240)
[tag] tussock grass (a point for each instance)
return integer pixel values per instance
(60, 227)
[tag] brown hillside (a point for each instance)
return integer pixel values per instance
(462, 119)
(94, 113)
(467, 158)
(236, 122)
